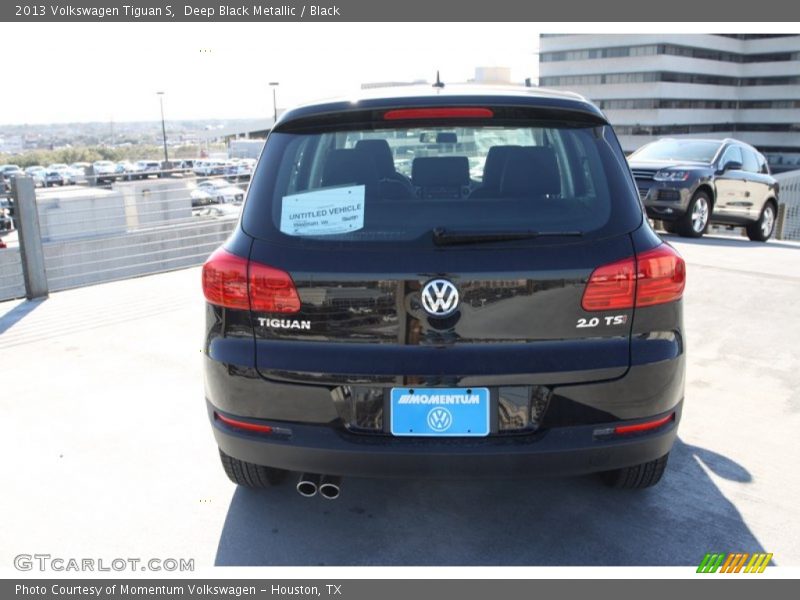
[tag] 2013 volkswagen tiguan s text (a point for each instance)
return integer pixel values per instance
(455, 283)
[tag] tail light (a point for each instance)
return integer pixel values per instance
(611, 286)
(654, 277)
(661, 276)
(234, 282)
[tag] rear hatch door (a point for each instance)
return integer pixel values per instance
(510, 207)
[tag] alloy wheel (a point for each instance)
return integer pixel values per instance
(700, 214)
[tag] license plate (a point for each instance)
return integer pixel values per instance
(440, 412)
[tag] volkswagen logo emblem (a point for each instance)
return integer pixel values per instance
(439, 298)
(440, 419)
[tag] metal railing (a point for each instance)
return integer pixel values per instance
(788, 225)
(86, 234)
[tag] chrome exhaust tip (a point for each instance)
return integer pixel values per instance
(330, 487)
(307, 485)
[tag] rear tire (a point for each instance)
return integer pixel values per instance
(762, 230)
(698, 214)
(251, 475)
(637, 477)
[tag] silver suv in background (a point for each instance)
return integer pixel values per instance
(689, 183)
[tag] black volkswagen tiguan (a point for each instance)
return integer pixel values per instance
(443, 283)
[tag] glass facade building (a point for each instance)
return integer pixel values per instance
(696, 85)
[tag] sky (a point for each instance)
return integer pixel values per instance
(66, 72)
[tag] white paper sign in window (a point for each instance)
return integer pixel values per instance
(327, 211)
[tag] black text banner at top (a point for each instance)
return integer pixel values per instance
(787, 14)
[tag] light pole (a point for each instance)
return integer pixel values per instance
(274, 85)
(163, 128)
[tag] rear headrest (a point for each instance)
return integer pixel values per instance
(381, 155)
(349, 166)
(494, 165)
(449, 171)
(530, 171)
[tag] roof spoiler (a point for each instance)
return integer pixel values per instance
(349, 116)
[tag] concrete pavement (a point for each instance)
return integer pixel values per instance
(107, 451)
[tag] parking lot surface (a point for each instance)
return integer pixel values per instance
(107, 451)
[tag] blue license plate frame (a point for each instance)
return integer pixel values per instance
(440, 412)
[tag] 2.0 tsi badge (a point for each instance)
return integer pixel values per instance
(439, 298)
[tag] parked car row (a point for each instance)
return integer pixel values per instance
(216, 191)
(234, 169)
(57, 174)
(142, 169)
(54, 174)
(106, 171)
(126, 170)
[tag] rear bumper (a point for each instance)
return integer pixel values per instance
(558, 451)
(665, 201)
(665, 213)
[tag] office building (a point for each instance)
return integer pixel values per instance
(686, 85)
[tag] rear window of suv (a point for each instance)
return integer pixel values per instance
(384, 185)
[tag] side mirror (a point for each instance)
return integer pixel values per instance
(732, 165)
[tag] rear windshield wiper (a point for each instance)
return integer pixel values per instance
(444, 237)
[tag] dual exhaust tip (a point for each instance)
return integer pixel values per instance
(328, 486)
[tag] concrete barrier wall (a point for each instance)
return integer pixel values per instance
(12, 284)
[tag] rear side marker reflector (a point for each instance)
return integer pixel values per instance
(251, 427)
(653, 277)
(636, 427)
(455, 112)
(233, 282)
